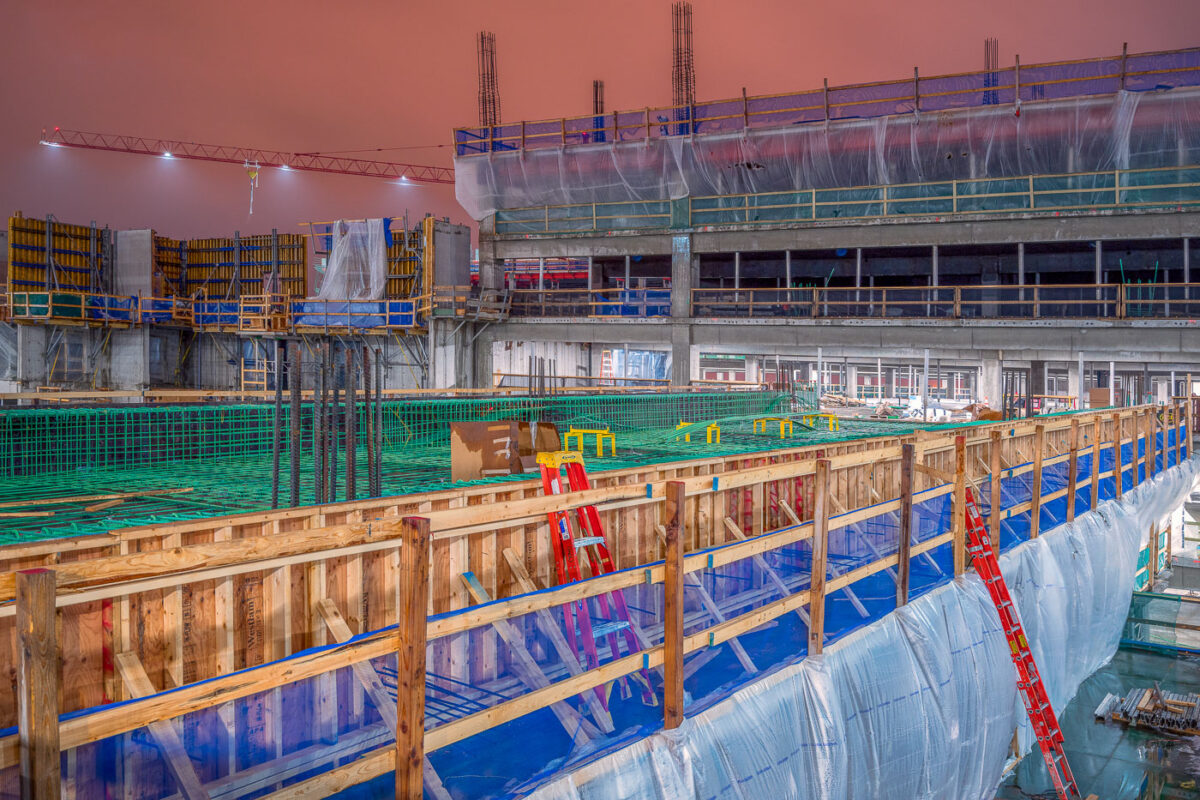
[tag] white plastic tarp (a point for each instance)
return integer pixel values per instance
(921, 704)
(357, 268)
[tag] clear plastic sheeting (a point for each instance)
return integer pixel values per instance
(921, 703)
(357, 268)
(984, 145)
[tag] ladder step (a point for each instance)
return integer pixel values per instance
(588, 541)
(605, 628)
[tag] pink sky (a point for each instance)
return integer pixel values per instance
(314, 76)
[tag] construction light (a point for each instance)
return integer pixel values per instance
(284, 166)
(168, 155)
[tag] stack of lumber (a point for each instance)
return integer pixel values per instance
(1151, 708)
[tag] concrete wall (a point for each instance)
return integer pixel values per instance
(135, 263)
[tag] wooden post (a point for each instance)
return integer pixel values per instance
(410, 660)
(995, 467)
(906, 498)
(1176, 420)
(1035, 509)
(1118, 468)
(1072, 469)
(1152, 564)
(37, 685)
(1096, 437)
(820, 543)
(958, 512)
(673, 608)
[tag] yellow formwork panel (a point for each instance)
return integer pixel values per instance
(73, 254)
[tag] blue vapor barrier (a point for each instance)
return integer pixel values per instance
(355, 314)
(922, 703)
(216, 312)
(912, 686)
(634, 303)
(157, 309)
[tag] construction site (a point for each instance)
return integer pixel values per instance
(833, 443)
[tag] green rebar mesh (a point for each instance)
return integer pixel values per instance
(223, 453)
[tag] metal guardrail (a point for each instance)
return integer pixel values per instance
(1023, 83)
(1159, 187)
(1043, 301)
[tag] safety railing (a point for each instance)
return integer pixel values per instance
(635, 303)
(1046, 301)
(263, 312)
(81, 308)
(352, 315)
(1024, 83)
(1158, 187)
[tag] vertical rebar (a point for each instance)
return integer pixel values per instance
(378, 422)
(294, 418)
(369, 420)
(335, 425)
(351, 422)
(319, 426)
(276, 424)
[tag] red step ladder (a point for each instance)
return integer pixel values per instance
(1029, 681)
(612, 616)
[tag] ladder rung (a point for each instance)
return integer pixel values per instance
(588, 541)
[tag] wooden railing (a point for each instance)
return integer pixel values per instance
(260, 587)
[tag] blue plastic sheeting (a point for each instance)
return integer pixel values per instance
(157, 309)
(635, 303)
(354, 314)
(216, 312)
(921, 704)
(934, 675)
(112, 308)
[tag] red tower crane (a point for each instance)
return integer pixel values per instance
(248, 157)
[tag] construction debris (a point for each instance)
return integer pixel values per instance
(1151, 708)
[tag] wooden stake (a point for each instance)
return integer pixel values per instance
(1096, 437)
(410, 660)
(820, 547)
(905, 545)
(673, 608)
(1118, 467)
(1035, 509)
(1072, 469)
(37, 685)
(995, 466)
(958, 512)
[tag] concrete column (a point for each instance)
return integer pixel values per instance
(681, 356)
(787, 269)
(820, 375)
(135, 263)
(1021, 263)
(627, 287)
(925, 388)
(451, 359)
(491, 269)
(32, 362)
(737, 270)
(541, 274)
(681, 276)
(1112, 382)
(1187, 261)
(852, 381)
(1099, 262)
(1075, 382)
(129, 359)
(590, 284)
(991, 382)
(934, 265)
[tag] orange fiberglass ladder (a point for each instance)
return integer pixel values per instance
(1029, 681)
(582, 629)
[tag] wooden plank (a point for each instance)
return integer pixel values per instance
(1035, 509)
(526, 667)
(91, 498)
(1072, 469)
(410, 659)
(904, 557)
(673, 611)
(958, 509)
(137, 682)
(995, 468)
(37, 685)
(1095, 477)
(820, 545)
(372, 684)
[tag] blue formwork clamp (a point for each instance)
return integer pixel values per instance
(649, 577)
(649, 490)
(645, 661)
(716, 483)
(710, 560)
(712, 639)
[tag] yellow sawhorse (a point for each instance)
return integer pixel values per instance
(712, 432)
(602, 435)
(832, 421)
(760, 425)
